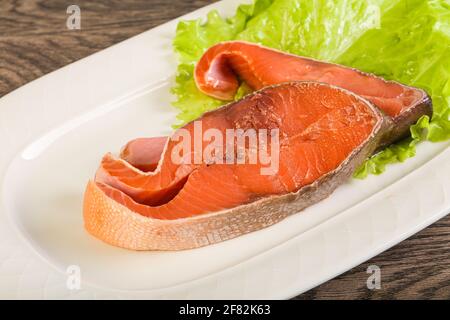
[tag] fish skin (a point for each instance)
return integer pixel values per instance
(116, 218)
(218, 70)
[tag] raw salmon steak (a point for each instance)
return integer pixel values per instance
(220, 67)
(209, 194)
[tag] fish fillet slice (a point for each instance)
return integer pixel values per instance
(220, 67)
(321, 143)
(296, 110)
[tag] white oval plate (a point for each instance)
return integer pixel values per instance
(57, 128)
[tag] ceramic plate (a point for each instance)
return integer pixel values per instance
(54, 131)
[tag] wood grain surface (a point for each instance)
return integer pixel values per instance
(34, 40)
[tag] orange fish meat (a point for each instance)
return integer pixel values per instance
(218, 72)
(324, 133)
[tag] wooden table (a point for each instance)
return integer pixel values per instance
(34, 40)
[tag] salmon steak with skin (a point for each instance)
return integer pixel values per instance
(324, 133)
(218, 72)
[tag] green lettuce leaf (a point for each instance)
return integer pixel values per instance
(413, 47)
(403, 40)
(191, 40)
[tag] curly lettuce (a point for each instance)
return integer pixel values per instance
(402, 40)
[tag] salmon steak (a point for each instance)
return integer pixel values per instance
(194, 189)
(219, 70)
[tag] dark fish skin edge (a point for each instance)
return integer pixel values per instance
(402, 123)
